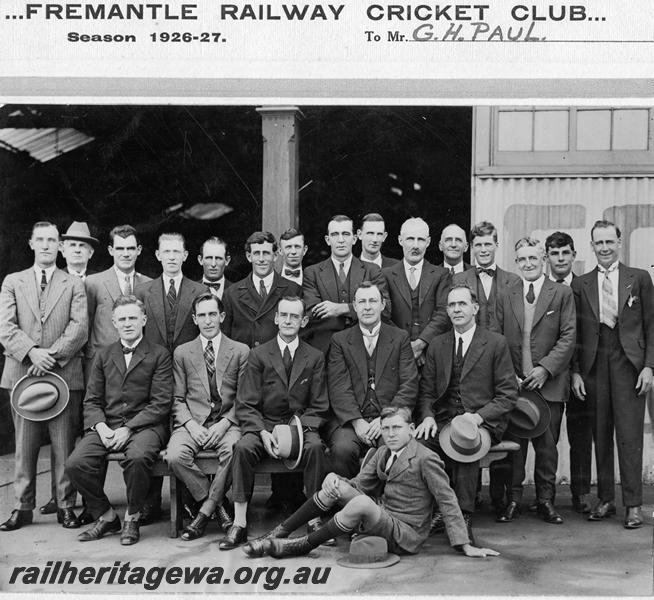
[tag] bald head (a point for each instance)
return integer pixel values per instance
(453, 244)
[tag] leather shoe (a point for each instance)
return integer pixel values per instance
(510, 513)
(257, 547)
(467, 517)
(130, 533)
(236, 536)
(150, 514)
(17, 519)
(68, 518)
(99, 529)
(581, 504)
(85, 517)
(224, 518)
(602, 511)
(315, 526)
(633, 518)
(49, 508)
(281, 548)
(548, 512)
(195, 529)
(437, 523)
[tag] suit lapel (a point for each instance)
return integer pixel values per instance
(592, 292)
(427, 277)
(475, 350)
(57, 285)
(276, 291)
(402, 462)
(112, 285)
(401, 283)
(196, 357)
(248, 295)
(357, 272)
(328, 277)
(155, 298)
(518, 303)
(384, 342)
(184, 305)
(118, 358)
(138, 355)
(299, 363)
(543, 301)
(625, 284)
(276, 360)
(444, 357)
(31, 291)
(359, 352)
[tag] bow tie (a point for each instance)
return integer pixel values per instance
(489, 272)
(127, 350)
(213, 286)
(292, 272)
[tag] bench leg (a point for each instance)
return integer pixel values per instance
(175, 507)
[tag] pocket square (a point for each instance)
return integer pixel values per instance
(549, 312)
(631, 300)
(304, 380)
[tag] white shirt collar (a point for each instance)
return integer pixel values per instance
(121, 275)
(215, 342)
(292, 346)
(221, 281)
(458, 267)
(567, 280)
(136, 343)
(538, 285)
(296, 279)
(466, 337)
(418, 267)
(76, 273)
(346, 263)
(48, 273)
(612, 267)
(372, 334)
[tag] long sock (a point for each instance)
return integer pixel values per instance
(240, 513)
(311, 509)
(329, 530)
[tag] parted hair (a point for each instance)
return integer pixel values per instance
(482, 229)
(604, 224)
(391, 411)
(261, 237)
(122, 231)
(127, 300)
(294, 299)
(464, 286)
(171, 236)
(559, 239)
(207, 296)
(214, 239)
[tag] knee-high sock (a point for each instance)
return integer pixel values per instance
(329, 530)
(311, 509)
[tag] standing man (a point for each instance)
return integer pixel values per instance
(77, 248)
(125, 410)
(292, 249)
(613, 367)
(43, 327)
(537, 317)
(487, 280)
(418, 289)
(207, 372)
(453, 244)
(329, 286)
(214, 258)
(250, 303)
(283, 377)
(370, 366)
(468, 372)
(372, 235)
(561, 254)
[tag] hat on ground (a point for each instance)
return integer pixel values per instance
(290, 441)
(40, 398)
(368, 552)
(79, 231)
(531, 415)
(464, 441)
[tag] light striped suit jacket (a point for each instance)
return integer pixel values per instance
(63, 327)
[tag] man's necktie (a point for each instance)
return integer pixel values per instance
(609, 305)
(127, 350)
(44, 281)
(210, 359)
(288, 362)
(530, 297)
(295, 273)
(390, 465)
(171, 296)
(370, 343)
(451, 270)
(412, 278)
(459, 351)
(341, 272)
(212, 286)
(489, 272)
(128, 285)
(262, 289)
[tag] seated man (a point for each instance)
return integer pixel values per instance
(370, 366)
(125, 410)
(410, 477)
(283, 377)
(204, 410)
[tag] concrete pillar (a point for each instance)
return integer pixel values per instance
(280, 131)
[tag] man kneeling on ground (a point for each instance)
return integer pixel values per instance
(411, 477)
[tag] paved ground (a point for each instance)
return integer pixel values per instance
(578, 557)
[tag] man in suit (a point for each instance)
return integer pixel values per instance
(214, 257)
(418, 289)
(391, 497)
(292, 249)
(453, 244)
(125, 410)
(77, 247)
(329, 286)
(468, 372)
(370, 366)
(373, 234)
(43, 327)
(612, 369)
(283, 377)
(560, 251)
(207, 373)
(487, 280)
(250, 303)
(537, 317)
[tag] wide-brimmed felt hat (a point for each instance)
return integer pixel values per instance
(368, 552)
(290, 441)
(40, 398)
(79, 231)
(531, 415)
(464, 441)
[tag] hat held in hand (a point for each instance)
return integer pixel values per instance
(290, 441)
(40, 397)
(531, 415)
(464, 441)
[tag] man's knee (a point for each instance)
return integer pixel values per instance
(178, 455)
(359, 506)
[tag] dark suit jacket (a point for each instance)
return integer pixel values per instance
(488, 384)
(153, 296)
(387, 261)
(553, 333)
(266, 398)
(433, 288)
(396, 374)
(249, 321)
(320, 284)
(192, 394)
(414, 481)
(503, 279)
(138, 397)
(635, 318)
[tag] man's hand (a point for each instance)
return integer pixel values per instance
(199, 434)
(121, 437)
(106, 435)
(269, 443)
(536, 378)
(644, 383)
(578, 387)
(475, 552)
(426, 429)
(361, 429)
(41, 360)
(374, 430)
(216, 433)
(418, 346)
(330, 485)
(327, 308)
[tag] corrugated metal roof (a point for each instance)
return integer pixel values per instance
(43, 144)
